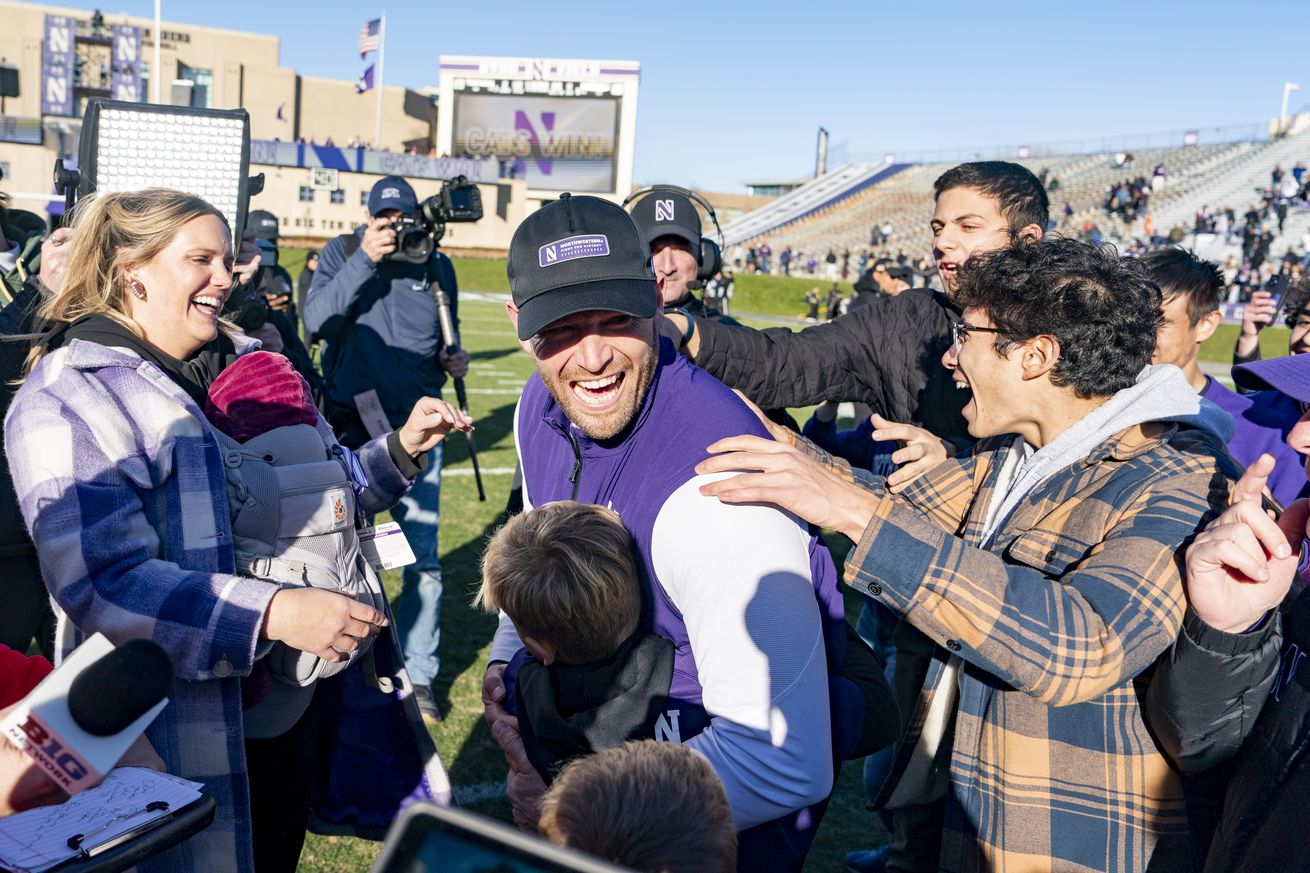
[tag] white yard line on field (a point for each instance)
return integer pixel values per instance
(476, 793)
(468, 471)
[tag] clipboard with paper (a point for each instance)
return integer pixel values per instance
(98, 823)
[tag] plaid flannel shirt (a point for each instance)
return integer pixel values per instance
(121, 484)
(1057, 622)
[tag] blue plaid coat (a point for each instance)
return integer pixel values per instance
(120, 480)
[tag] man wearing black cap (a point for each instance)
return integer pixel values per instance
(615, 416)
(672, 225)
(378, 317)
(274, 281)
(262, 305)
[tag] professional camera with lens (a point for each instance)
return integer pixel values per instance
(418, 234)
(246, 307)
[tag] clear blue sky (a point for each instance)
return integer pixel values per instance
(737, 90)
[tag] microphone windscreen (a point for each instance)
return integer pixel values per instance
(120, 687)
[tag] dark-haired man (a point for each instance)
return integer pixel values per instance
(884, 355)
(1045, 565)
(1193, 289)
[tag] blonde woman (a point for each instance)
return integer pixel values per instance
(121, 483)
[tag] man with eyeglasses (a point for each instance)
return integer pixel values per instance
(1045, 565)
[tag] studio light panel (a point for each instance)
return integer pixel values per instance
(130, 146)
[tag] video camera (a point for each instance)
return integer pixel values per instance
(417, 235)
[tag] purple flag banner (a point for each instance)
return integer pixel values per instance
(57, 66)
(365, 82)
(126, 82)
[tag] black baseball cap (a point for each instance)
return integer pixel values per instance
(263, 223)
(667, 213)
(579, 254)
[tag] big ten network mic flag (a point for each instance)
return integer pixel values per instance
(82, 717)
(373, 38)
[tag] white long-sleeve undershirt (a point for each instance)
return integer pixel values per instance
(740, 576)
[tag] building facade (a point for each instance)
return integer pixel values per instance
(300, 126)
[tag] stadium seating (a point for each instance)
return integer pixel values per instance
(838, 210)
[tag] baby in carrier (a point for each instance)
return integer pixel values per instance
(588, 678)
(292, 491)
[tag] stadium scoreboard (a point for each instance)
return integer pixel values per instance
(561, 125)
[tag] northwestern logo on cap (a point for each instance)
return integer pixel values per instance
(663, 210)
(268, 222)
(592, 245)
(390, 193)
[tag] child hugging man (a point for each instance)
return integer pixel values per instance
(588, 677)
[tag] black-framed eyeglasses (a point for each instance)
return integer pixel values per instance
(961, 329)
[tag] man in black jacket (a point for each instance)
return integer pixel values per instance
(887, 355)
(1230, 702)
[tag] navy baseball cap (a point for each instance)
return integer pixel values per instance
(579, 254)
(1289, 375)
(263, 223)
(668, 213)
(392, 192)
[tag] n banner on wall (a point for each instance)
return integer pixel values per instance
(57, 66)
(126, 82)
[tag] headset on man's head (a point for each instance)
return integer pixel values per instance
(709, 255)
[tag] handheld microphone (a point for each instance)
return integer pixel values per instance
(82, 717)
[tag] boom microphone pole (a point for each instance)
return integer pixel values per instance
(451, 343)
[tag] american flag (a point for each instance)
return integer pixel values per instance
(369, 37)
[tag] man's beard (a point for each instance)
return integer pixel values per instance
(606, 425)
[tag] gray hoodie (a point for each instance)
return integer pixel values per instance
(1161, 393)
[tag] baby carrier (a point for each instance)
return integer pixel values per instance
(292, 497)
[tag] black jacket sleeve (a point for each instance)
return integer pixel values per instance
(887, 354)
(1208, 690)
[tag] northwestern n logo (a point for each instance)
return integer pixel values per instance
(667, 729)
(522, 125)
(552, 254)
(663, 210)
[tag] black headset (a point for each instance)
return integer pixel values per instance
(709, 256)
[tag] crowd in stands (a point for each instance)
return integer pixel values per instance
(1097, 200)
(1077, 553)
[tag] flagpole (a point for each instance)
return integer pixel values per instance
(155, 78)
(382, 50)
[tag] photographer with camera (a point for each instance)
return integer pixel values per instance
(372, 302)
